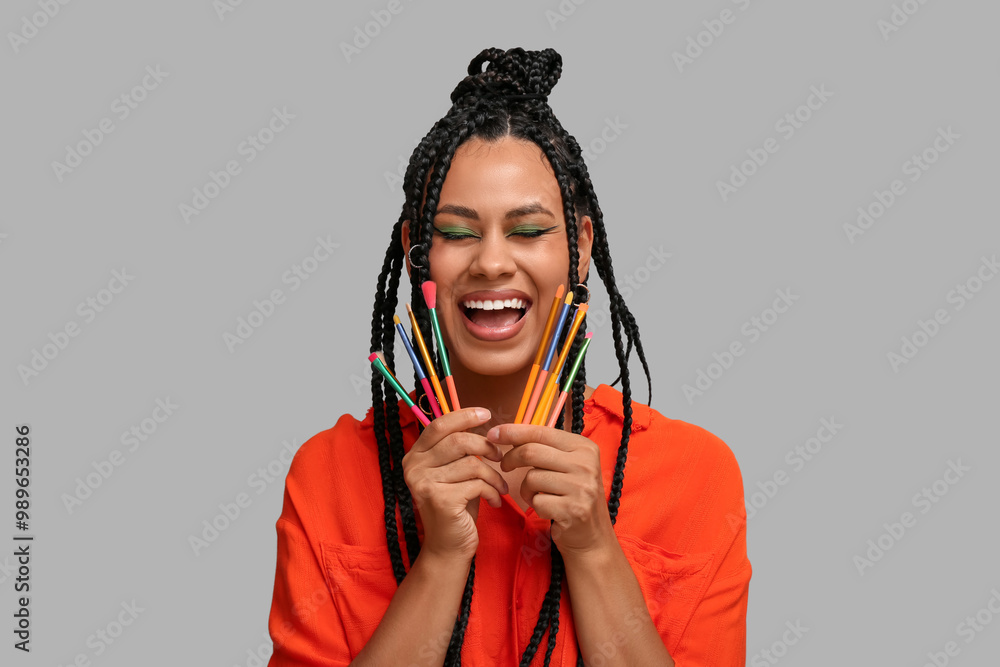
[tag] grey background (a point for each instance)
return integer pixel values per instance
(324, 175)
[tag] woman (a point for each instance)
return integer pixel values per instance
(569, 562)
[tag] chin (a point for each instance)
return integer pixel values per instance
(502, 367)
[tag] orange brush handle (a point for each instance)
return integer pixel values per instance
(524, 410)
(546, 401)
(452, 393)
(440, 394)
(527, 393)
(427, 360)
(550, 387)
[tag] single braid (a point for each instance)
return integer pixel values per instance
(379, 406)
(555, 586)
(454, 654)
(603, 265)
(403, 496)
(606, 272)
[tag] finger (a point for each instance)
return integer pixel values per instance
(477, 488)
(544, 482)
(519, 434)
(537, 455)
(453, 422)
(457, 445)
(469, 468)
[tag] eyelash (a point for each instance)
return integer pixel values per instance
(529, 234)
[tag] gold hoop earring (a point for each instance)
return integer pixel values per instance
(584, 287)
(427, 410)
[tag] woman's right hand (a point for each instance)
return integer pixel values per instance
(446, 480)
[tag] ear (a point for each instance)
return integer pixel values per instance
(585, 243)
(405, 237)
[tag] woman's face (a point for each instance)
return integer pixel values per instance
(499, 235)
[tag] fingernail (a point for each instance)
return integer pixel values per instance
(493, 433)
(483, 414)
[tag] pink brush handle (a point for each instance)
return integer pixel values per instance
(539, 384)
(420, 415)
(430, 397)
(557, 410)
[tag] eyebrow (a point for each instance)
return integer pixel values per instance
(519, 212)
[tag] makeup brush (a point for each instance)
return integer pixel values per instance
(544, 372)
(550, 388)
(569, 380)
(417, 367)
(429, 288)
(538, 355)
(381, 357)
(427, 360)
(378, 365)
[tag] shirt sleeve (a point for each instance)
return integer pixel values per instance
(305, 628)
(716, 634)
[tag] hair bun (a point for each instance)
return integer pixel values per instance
(511, 73)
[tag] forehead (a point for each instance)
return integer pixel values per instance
(500, 174)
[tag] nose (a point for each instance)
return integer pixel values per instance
(493, 258)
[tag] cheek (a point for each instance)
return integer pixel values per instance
(445, 264)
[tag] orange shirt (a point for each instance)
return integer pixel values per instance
(681, 525)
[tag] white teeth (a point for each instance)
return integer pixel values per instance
(495, 305)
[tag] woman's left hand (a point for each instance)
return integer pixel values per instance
(563, 482)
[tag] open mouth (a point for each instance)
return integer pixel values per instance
(497, 314)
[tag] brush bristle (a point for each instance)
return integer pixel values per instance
(373, 356)
(589, 334)
(395, 318)
(430, 289)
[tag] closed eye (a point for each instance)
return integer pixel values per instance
(530, 232)
(459, 233)
(451, 236)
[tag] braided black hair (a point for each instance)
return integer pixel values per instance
(509, 98)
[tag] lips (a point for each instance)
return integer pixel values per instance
(484, 307)
(487, 314)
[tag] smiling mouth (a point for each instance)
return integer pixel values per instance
(494, 318)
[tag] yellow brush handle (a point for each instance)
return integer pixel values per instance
(546, 401)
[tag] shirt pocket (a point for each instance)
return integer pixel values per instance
(672, 584)
(362, 584)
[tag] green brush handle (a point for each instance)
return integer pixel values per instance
(437, 334)
(576, 365)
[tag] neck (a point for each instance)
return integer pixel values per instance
(500, 394)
